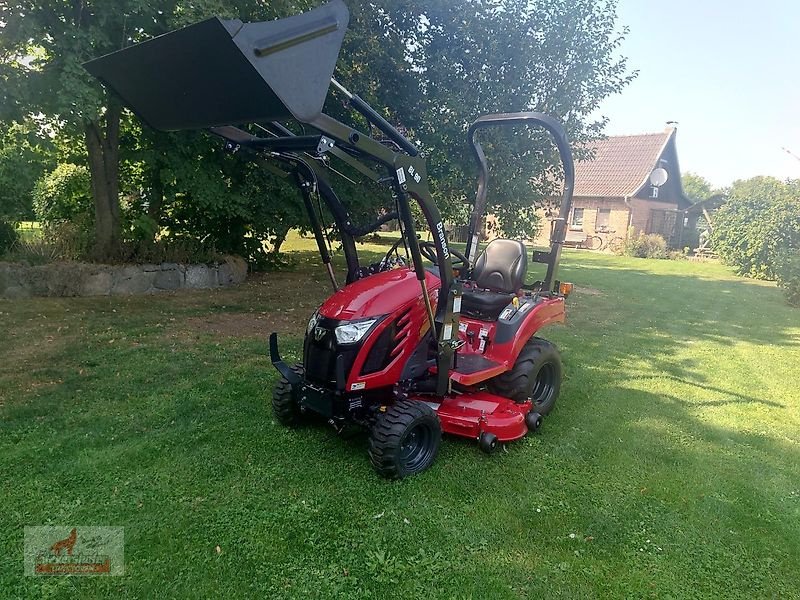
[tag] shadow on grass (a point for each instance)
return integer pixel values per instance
(737, 398)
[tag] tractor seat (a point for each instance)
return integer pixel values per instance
(497, 276)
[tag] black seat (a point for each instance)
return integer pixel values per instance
(497, 276)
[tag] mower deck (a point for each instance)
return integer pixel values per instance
(472, 414)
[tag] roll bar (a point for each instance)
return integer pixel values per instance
(559, 135)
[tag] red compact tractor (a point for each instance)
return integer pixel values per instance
(425, 341)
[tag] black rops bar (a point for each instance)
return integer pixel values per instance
(559, 136)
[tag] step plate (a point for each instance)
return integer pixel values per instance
(475, 368)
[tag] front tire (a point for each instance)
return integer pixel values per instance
(285, 406)
(405, 439)
(535, 376)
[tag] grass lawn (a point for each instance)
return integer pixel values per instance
(669, 469)
(29, 230)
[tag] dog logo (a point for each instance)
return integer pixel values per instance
(66, 544)
(49, 551)
(319, 333)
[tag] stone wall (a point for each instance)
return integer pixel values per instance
(84, 279)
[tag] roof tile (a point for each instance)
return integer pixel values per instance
(620, 166)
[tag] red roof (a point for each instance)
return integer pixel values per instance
(621, 166)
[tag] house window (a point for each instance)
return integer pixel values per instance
(603, 219)
(577, 219)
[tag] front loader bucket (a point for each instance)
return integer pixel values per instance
(227, 72)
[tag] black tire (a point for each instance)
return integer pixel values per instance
(533, 420)
(284, 404)
(405, 439)
(593, 242)
(536, 375)
(488, 442)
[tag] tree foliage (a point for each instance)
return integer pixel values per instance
(696, 187)
(757, 223)
(787, 268)
(8, 236)
(26, 153)
(430, 67)
(476, 57)
(63, 194)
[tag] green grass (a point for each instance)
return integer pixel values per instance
(669, 469)
(29, 230)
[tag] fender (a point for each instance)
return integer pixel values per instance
(504, 339)
(511, 336)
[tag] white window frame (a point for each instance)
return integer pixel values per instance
(577, 226)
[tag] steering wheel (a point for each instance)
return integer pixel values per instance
(428, 250)
(389, 262)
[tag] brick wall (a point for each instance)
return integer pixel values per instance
(641, 212)
(617, 219)
(620, 217)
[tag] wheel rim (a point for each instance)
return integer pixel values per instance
(416, 448)
(544, 386)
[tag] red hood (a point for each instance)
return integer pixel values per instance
(377, 295)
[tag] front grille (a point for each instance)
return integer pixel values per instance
(320, 352)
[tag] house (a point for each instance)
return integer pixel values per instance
(633, 183)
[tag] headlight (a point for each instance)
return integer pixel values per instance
(312, 322)
(350, 333)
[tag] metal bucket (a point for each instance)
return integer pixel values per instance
(227, 72)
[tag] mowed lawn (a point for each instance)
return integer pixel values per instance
(669, 469)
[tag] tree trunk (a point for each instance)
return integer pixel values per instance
(280, 237)
(157, 199)
(102, 144)
(154, 208)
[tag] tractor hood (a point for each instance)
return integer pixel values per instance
(378, 295)
(220, 72)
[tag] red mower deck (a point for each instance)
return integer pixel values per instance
(470, 415)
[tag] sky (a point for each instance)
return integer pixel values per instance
(727, 71)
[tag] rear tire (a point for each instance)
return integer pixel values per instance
(285, 406)
(405, 439)
(535, 376)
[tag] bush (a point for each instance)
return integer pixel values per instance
(759, 219)
(64, 194)
(8, 236)
(61, 241)
(787, 269)
(644, 245)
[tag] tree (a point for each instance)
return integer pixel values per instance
(42, 46)
(696, 187)
(755, 226)
(477, 57)
(25, 155)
